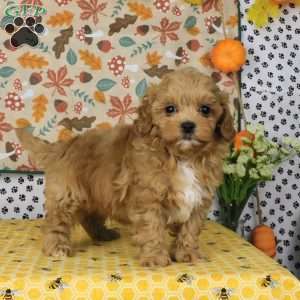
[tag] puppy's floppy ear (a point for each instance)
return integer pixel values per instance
(144, 123)
(225, 125)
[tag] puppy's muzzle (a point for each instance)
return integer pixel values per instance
(188, 128)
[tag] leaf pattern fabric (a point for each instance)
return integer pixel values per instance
(58, 81)
(91, 9)
(95, 61)
(167, 30)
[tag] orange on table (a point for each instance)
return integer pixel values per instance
(263, 238)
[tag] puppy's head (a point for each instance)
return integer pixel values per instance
(186, 110)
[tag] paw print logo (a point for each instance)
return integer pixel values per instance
(25, 31)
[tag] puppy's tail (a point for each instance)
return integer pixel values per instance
(42, 152)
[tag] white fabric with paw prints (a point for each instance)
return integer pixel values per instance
(271, 95)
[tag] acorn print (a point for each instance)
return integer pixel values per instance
(60, 105)
(85, 77)
(142, 30)
(193, 45)
(35, 78)
(104, 46)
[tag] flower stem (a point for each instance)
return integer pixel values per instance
(259, 212)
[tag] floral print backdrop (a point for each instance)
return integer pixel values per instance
(95, 60)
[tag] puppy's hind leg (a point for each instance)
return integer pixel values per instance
(96, 229)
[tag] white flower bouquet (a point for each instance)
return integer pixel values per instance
(253, 158)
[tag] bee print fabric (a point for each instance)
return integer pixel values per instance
(86, 63)
(230, 269)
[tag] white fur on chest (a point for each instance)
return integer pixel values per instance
(190, 193)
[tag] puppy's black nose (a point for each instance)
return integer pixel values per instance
(188, 127)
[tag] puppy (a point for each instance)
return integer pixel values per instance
(158, 174)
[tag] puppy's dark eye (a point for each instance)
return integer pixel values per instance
(205, 110)
(170, 109)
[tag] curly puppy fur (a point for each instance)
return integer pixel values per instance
(158, 174)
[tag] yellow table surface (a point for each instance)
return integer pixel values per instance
(111, 271)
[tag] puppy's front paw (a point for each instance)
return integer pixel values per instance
(158, 260)
(186, 255)
(58, 250)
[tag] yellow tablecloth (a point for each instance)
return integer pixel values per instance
(111, 271)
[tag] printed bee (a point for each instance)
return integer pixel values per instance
(8, 294)
(268, 281)
(223, 293)
(115, 277)
(57, 284)
(185, 278)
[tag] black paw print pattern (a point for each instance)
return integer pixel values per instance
(271, 92)
(25, 31)
(21, 196)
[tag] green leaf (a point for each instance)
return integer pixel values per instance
(190, 22)
(141, 88)
(71, 57)
(126, 41)
(6, 71)
(105, 84)
(48, 125)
